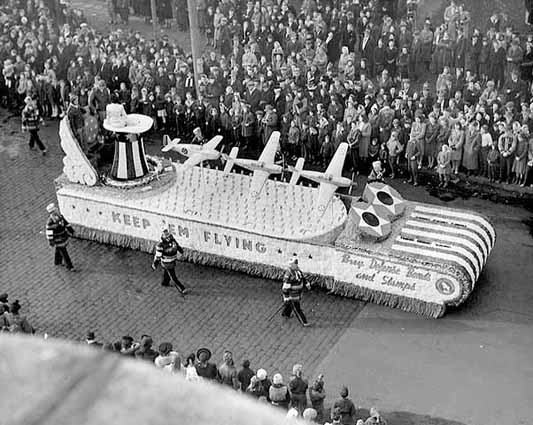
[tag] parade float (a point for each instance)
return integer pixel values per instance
(379, 247)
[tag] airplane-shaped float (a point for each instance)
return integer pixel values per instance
(329, 181)
(262, 167)
(196, 154)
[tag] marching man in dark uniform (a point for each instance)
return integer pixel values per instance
(166, 253)
(293, 286)
(58, 231)
(30, 123)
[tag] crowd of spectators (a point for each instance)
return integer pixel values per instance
(11, 320)
(294, 396)
(347, 71)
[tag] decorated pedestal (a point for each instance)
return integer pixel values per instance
(383, 249)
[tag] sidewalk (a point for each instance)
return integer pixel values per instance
(479, 187)
(97, 16)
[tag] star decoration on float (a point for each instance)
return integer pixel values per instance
(387, 201)
(370, 222)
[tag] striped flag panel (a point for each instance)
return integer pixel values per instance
(453, 231)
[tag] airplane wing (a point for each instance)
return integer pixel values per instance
(213, 143)
(194, 159)
(170, 144)
(269, 152)
(325, 193)
(258, 181)
(336, 164)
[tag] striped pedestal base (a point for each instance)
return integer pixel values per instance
(129, 162)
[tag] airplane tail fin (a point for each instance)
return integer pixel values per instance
(230, 160)
(296, 171)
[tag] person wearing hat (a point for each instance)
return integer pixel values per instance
(166, 253)
(76, 120)
(293, 286)
(278, 392)
(345, 407)
(204, 368)
(30, 123)
(247, 125)
(58, 231)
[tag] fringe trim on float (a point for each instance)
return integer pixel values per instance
(346, 289)
(412, 305)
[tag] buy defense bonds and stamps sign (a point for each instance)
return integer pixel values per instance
(372, 270)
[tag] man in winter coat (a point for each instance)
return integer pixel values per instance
(247, 126)
(345, 407)
(298, 386)
(412, 153)
(58, 231)
(293, 286)
(507, 146)
(166, 253)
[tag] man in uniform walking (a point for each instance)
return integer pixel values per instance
(166, 253)
(293, 286)
(30, 123)
(58, 231)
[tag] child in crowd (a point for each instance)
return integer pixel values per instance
(493, 161)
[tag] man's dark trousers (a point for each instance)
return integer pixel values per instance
(60, 255)
(294, 305)
(171, 274)
(34, 139)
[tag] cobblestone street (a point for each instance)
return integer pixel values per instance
(116, 293)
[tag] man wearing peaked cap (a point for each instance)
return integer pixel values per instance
(293, 286)
(30, 122)
(58, 232)
(166, 254)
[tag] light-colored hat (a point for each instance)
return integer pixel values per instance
(309, 414)
(261, 374)
(51, 207)
(277, 379)
(118, 121)
(297, 368)
(292, 413)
